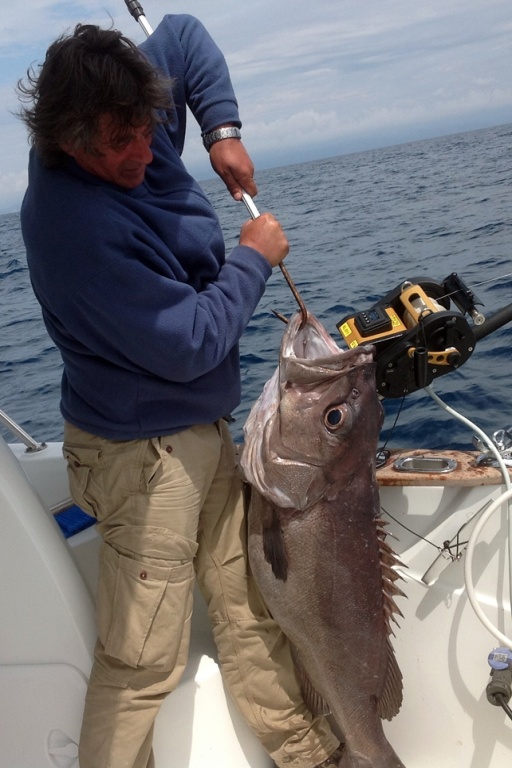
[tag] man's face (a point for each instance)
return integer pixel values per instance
(122, 163)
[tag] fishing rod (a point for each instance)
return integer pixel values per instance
(136, 10)
(491, 324)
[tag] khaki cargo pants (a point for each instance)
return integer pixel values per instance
(170, 509)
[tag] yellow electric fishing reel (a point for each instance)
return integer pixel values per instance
(417, 333)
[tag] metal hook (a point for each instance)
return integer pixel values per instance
(249, 204)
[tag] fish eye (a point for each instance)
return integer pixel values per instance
(355, 393)
(334, 417)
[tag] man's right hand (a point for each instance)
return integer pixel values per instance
(265, 235)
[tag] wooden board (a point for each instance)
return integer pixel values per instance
(467, 472)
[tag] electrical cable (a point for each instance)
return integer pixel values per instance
(500, 698)
(506, 496)
(504, 640)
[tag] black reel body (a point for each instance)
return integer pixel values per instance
(417, 333)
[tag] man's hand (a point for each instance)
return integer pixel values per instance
(230, 160)
(265, 235)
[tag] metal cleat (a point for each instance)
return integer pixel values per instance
(502, 440)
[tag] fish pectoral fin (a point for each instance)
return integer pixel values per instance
(264, 520)
(390, 699)
(274, 547)
(246, 496)
(313, 700)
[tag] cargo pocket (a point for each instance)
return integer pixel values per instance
(81, 463)
(141, 609)
(150, 468)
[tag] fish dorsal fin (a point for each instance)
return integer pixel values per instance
(312, 699)
(390, 699)
(388, 563)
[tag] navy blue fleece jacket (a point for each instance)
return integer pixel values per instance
(134, 285)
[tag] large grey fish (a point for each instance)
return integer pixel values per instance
(316, 545)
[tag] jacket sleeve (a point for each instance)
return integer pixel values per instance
(183, 50)
(152, 324)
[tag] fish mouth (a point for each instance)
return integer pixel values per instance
(308, 340)
(309, 353)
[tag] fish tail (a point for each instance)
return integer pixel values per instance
(351, 759)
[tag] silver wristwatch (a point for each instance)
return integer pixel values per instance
(219, 134)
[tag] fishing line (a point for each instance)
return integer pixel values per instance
(477, 285)
(455, 544)
(493, 279)
(409, 530)
(380, 461)
(398, 414)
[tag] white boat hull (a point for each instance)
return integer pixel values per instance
(442, 648)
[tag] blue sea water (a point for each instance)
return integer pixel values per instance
(358, 225)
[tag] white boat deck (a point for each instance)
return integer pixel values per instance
(47, 629)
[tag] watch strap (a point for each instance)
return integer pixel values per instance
(220, 133)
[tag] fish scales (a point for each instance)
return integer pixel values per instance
(316, 544)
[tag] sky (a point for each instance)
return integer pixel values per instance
(313, 79)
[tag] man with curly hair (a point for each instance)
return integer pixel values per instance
(128, 262)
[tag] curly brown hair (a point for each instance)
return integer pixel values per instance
(87, 74)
